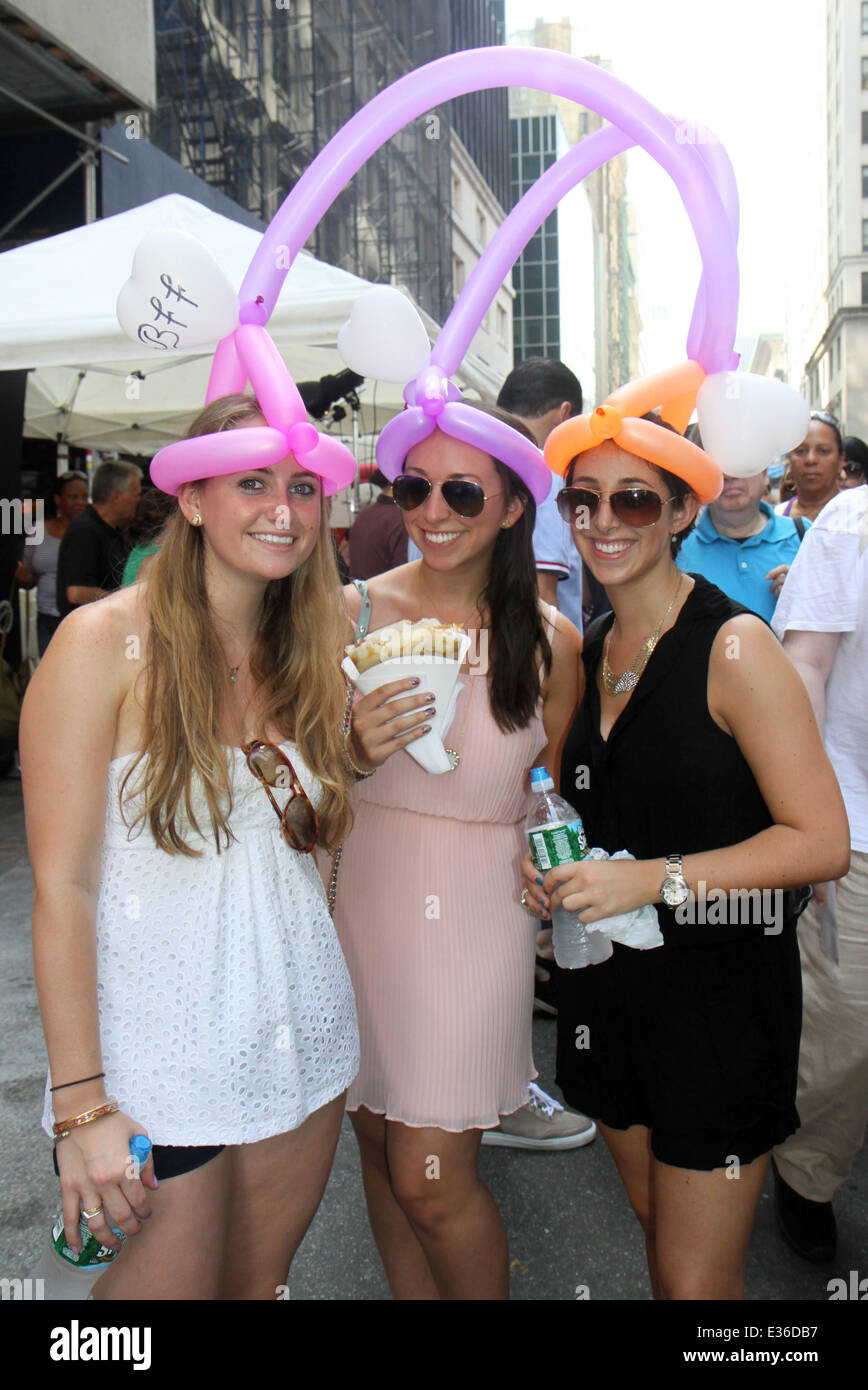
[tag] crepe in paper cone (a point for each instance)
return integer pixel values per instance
(421, 647)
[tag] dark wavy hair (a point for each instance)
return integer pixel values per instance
(518, 637)
(856, 451)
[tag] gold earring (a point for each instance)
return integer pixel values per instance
(196, 520)
(505, 525)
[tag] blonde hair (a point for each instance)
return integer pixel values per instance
(295, 659)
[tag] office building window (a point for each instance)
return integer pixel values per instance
(480, 227)
(865, 233)
(864, 17)
(865, 73)
(501, 325)
(865, 180)
(459, 273)
(865, 286)
(456, 191)
(865, 127)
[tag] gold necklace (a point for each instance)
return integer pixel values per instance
(629, 679)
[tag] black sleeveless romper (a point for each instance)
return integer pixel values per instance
(697, 1039)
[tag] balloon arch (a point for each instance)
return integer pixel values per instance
(745, 420)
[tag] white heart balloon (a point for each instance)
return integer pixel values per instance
(384, 337)
(746, 421)
(177, 296)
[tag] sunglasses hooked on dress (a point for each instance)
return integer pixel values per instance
(298, 820)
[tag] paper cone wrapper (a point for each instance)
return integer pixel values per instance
(439, 676)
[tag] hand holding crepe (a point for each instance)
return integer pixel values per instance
(427, 649)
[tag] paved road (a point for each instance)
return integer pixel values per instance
(568, 1220)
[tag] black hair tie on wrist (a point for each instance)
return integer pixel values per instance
(96, 1077)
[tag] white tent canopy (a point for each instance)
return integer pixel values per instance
(59, 320)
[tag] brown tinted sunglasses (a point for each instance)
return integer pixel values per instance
(271, 767)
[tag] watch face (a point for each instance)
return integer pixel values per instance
(674, 891)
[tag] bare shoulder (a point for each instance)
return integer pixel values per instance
(392, 595)
(748, 669)
(99, 635)
(566, 640)
(564, 680)
(743, 648)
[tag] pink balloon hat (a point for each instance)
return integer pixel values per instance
(249, 353)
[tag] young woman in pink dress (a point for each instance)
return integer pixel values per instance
(428, 906)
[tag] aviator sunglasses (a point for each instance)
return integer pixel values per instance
(463, 498)
(298, 821)
(634, 506)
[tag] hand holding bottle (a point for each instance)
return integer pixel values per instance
(99, 1173)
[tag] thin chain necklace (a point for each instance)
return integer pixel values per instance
(428, 599)
(629, 679)
(233, 670)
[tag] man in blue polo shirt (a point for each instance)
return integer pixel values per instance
(743, 546)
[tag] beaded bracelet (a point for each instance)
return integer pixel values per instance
(63, 1128)
(360, 774)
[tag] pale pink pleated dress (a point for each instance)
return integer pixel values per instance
(439, 949)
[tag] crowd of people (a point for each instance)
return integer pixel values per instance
(693, 675)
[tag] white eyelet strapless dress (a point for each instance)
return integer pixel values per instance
(225, 1006)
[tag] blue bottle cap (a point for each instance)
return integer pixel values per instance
(140, 1147)
(539, 774)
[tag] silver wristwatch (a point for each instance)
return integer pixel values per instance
(674, 889)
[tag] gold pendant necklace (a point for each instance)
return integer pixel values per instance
(629, 679)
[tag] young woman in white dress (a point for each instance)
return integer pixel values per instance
(186, 964)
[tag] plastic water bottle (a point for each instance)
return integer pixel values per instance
(70, 1276)
(556, 836)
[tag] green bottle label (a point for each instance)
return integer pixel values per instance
(557, 844)
(92, 1254)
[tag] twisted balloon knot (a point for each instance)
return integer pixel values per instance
(432, 389)
(302, 437)
(605, 422)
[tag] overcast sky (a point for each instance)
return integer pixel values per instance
(753, 71)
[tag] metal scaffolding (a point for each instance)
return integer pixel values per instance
(249, 93)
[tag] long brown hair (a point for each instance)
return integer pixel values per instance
(295, 660)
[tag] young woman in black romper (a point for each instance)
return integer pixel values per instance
(689, 1061)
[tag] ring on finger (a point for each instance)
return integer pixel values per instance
(89, 1215)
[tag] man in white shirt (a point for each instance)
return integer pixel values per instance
(822, 619)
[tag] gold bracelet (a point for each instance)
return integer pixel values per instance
(63, 1127)
(360, 774)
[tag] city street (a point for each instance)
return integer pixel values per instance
(571, 1232)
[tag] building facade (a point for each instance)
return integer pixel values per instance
(836, 375)
(476, 215)
(615, 323)
(536, 142)
(249, 94)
